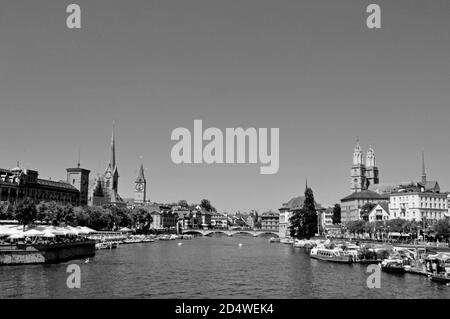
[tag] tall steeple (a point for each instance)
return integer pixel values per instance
(112, 174)
(141, 176)
(371, 168)
(140, 187)
(358, 171)
(424, 174)
(112, 161)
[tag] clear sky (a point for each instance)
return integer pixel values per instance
(311, 68)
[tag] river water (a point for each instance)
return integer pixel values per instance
(210, 267)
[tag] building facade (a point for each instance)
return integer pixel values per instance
(351, 205)
(219, 221)
(418, 205)
(270, 221)
(17, 184)
(380, 212)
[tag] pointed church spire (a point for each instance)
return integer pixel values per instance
(424, 174)
(306, 184)
(141, 176)
(113, 150)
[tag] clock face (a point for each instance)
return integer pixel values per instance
(108, 175)
(139, 187)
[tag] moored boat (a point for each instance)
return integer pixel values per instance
(395, 266)
(332, 255)
(274, 240)
(442, 278)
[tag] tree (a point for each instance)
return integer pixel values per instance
(365, 211)
(6, 211)
(304, 220)
(183, 203)
(442, 228)
(337, 214)
(356, 226)
(26, 212)
(206, 205)
(396, 225)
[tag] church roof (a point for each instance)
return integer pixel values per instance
(141, 176)
(297, 203)
(366, 194)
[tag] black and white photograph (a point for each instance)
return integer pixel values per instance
(225, 150)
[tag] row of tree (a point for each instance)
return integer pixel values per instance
(441, 228)
(107, 217)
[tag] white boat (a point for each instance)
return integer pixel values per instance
(333, 255)
(164, 237)
(274, 240)
(287, 240)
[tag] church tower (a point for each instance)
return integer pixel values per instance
(358, 172)
(111, 173)
(140, 187)
(371, 168)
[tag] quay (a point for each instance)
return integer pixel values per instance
(20, 254)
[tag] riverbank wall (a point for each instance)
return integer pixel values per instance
(45, 254)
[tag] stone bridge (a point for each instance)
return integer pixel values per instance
(230, 233)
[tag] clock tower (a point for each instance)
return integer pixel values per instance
(140, 186)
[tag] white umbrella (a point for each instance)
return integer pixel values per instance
(88, 230)
(32, 233)
(18, 235)
(10, 229)
(48, 235)
(56, 231)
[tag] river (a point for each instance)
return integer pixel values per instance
(210, 267)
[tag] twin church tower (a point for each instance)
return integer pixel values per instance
(363, 175)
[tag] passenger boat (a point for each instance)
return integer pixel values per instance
(274, 240)
(393, 266)
(333, 255)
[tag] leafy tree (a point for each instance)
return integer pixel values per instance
(337, 214)
(304, 221)
(442, 228)
(183, 203)
(396, 225)
(206, 205)
(6, 211)
(356, 227)
(26, 212)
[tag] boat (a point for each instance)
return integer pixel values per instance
(299, 243)
(164, 237)
(173, 237)
(442, 278)
(334, 255)
(395, 266)
(274, 240)
(287, 240)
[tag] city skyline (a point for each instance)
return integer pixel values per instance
(313, 70)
